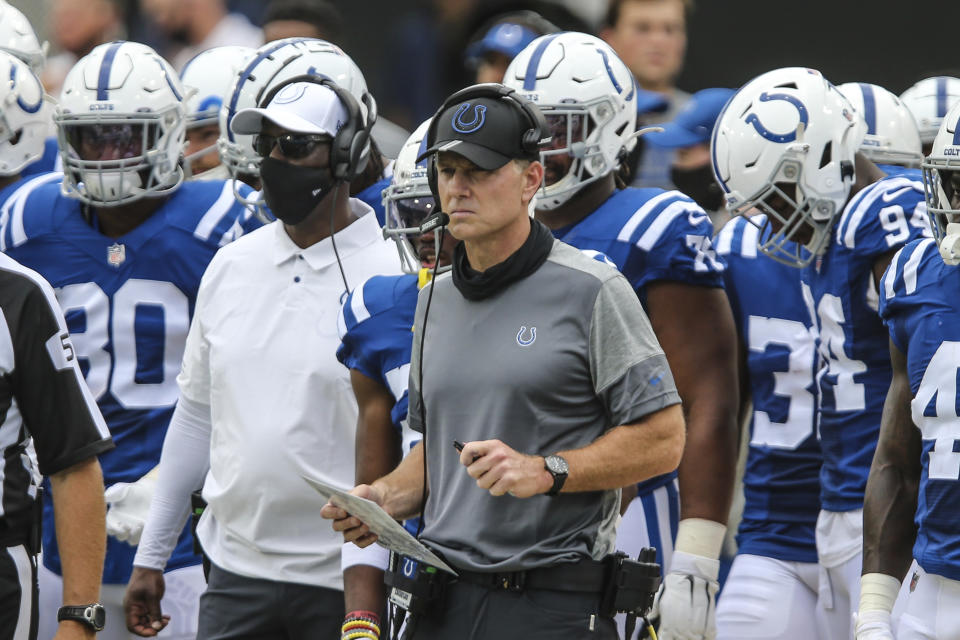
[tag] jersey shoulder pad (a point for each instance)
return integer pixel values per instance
(740, 237)
(374, 319)
(33, 208)
(885, 215)
(377, 297)
(645, 216)
(913, 277)
(672, 236)
(209, 210)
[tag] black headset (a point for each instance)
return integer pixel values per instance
(534, 138)
(346, 150)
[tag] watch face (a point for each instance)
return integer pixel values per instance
(99, 617)
(557, 465)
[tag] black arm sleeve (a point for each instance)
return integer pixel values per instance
(57, 407)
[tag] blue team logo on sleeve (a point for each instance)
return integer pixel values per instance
(463, 126)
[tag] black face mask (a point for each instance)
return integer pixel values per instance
(292, 191)
(700, 185)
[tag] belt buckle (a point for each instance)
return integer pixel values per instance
(513, 581)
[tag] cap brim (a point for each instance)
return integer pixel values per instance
(486, 159)
(674, 136)
(250, 121)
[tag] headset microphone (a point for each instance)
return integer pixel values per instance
(439, 219)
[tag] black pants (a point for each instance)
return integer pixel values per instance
(18, 590)
(239, 608)
(473, 612)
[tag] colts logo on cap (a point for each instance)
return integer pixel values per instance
(479, 116)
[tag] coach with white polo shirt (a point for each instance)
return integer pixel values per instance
(263, 399)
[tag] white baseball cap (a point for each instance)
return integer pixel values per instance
(301, 107)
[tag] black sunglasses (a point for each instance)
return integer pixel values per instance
(292, 145)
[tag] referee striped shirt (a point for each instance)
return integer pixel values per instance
(42, 395)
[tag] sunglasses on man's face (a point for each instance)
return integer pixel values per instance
(292, 145)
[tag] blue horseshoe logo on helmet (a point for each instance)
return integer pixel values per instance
(790, 136)
(29, 108)
(479, 117)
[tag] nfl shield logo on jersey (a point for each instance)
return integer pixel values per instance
(116, 254)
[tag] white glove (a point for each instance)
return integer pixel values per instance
(686, 602)
(873, 625)
(129, 503)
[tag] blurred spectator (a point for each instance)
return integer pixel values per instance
(304, 18)
(76, 27)
(688, 135)
(197, 25)
(496, 44)
(650, 36)
(421, 61)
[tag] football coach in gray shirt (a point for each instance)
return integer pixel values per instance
(542, 361)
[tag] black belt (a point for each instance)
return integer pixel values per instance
(588, 576)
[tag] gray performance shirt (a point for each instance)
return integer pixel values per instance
(550, 363)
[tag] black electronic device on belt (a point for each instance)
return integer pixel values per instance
(631, 586)
(414, 586)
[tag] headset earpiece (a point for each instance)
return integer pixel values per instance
(346, 151)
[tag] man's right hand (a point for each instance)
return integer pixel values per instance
(352, 528)
(141, 602)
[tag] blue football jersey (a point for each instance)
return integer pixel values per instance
(920, 304)
(128, 302)
(49, 161)
(372, 195)
(781, 481)
(376, 336)
(841, 293)
(651, 235)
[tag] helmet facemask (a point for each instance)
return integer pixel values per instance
(407, 207)
(794, 219)
(146, 149)
(575, 157)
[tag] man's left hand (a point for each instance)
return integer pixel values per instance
(686, 601)
(500, 469)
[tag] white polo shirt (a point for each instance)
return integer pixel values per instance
(261, 353)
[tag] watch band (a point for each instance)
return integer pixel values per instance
(92, 615)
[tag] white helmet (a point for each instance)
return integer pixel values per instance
(121, 94)
(941, 182)
(208, 78)
(271, 65)
(23, 122)
(588, 97)
(788, 126)
(408, 200)
(18, 37)
(928, 101)
(892, 136)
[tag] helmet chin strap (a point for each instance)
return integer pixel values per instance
(950, 245)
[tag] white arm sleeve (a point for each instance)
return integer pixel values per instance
(374, 556)
(183, 467)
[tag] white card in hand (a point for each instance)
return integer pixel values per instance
(390, 533)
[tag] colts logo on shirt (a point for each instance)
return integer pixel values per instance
(526, 337)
